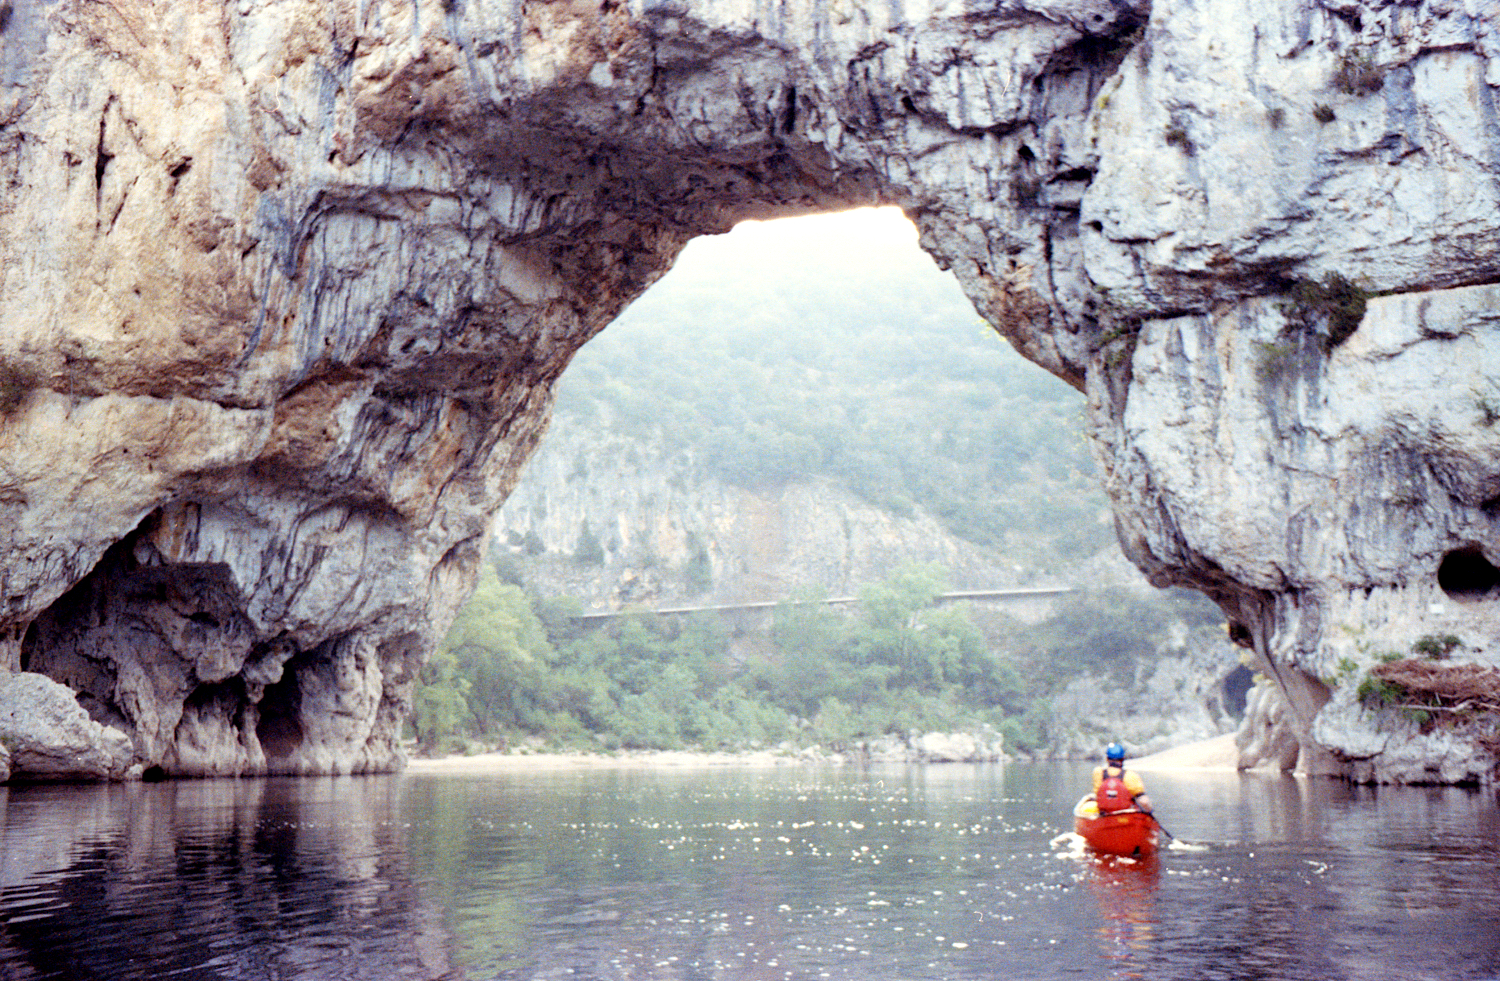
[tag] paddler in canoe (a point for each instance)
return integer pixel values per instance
(1116, 818)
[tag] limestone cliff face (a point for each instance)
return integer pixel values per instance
(284, 286)
(668, 534)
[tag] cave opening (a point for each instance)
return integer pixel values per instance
(1465, 574)
(1237, 687)
(279, 726)
(227, 695)
(136, 628)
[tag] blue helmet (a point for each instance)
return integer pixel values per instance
(1114, 752)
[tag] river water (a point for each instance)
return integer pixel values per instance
(877, 873)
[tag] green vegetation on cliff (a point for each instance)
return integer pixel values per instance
(863, 366)
(518, 667)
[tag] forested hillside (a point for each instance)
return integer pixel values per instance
(834, 359)
(841, 355)
(516, 666)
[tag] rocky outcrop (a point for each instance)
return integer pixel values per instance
(285, 286)
(1266, 738)
(982, 746)
(48, 736)
(1188, 693)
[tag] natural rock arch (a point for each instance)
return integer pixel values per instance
(287, 285)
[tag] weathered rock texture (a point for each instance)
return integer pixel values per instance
(284, 286)
(48, 736)
(670, 535)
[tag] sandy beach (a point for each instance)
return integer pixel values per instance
(1218, 753)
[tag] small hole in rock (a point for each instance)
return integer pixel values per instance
(1466, 574)
(1237, 687)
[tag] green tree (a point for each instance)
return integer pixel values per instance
(512, 665)
(808, 641)
(1108, 631)
(497, 645)
(588, 550)
(890, 629)
(440, 703)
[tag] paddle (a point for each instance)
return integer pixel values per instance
(1162, 828)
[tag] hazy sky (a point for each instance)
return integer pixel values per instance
(875, 229)
(863, 249)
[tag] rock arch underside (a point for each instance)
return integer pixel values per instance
(285, 286)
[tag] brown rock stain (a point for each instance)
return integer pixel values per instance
(306, 433)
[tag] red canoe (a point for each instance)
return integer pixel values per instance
(1129, 832)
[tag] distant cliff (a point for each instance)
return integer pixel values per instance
(666, 533)
(285, 287)
(613, 525)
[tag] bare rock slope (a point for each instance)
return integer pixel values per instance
(284, 286)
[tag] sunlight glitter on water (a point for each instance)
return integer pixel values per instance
(934, 882)
(803, 859)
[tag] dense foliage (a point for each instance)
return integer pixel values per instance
(517, 667)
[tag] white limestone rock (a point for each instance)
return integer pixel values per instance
(957, 747)
(49, 736)
(887, 749)
(1265, 740)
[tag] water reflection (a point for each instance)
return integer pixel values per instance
(1124, 893)
(880, 874)
(213, 879)
(1320, 879)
